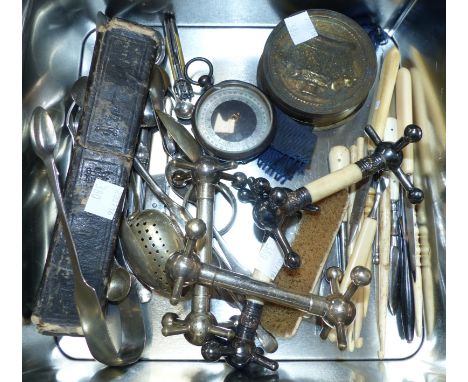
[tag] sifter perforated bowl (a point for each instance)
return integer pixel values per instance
(149, 238)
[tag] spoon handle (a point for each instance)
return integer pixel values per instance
(179, 213)
(52, 174)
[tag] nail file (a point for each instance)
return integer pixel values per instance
(313, 241)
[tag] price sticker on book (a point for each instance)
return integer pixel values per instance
(104, 199)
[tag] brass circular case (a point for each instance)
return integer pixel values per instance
(324, 80)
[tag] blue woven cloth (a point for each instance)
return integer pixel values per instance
(291, 150)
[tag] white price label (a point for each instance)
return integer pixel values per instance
(104, 199)
(300, 27)
(224, 127)
(270, 259)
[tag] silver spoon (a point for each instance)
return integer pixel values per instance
(181, 136)
(183, 109)
(119, 285)
(158, 87)
(78, 91)
(92, 319)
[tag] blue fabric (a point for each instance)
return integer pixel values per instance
(291, 150)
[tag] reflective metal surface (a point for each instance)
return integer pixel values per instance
(232, 35)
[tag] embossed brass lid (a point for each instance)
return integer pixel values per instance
(322, 80)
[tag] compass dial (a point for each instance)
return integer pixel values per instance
(234, 120)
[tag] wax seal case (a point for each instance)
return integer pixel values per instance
(324, 79)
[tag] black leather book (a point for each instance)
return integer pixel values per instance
(107, 136)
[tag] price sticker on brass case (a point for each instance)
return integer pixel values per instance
(300, 28)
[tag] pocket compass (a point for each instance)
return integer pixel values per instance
(232, 120)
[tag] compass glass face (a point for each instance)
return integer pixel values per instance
(233, 121)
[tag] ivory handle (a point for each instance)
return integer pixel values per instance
(404, 113)
(385, 227)
(421, 216)
(428, 282)
(260, 276)
(384, 268)
(350, 333)
(391, 135)
(338, 158)
(367, 209)
(361, 307)
(420, 118)
(418, 286)
(334, 182)
(383, 99)
(352, 189)
(361, 250)
(358, 341)
(432, 97)
(360, 145)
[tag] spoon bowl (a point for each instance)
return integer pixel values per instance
(119, 285)
(183, 109)
(43, 137)
(78, 91)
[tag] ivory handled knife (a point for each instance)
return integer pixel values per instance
(385, 225)
(404, 112)
(338, 158)
(426, 263)
(356, 152)
(387, 80)
(364, 294)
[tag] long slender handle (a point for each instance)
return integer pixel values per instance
(338, 158)
(404, 118)
(157, 90)
(358, 154)
(352, 189)
(383, 99)
(384, 268)
(172, 48)
(385, 225)
(363, 297)
(418, 286)
(426, 145)
(52, 174)
(334, 182)
(179, 213)
(425, 260)
(428, 283)
(432, 96)
(404, 112)
(361, 250)
(212, 276)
